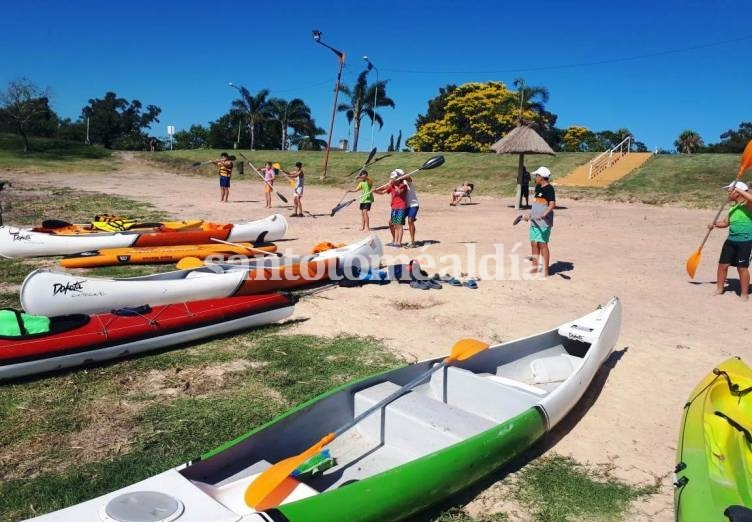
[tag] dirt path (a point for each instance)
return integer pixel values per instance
(673, 331)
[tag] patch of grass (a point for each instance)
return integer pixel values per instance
(460, 515)
(13, 271)
(50, 155)
(183, 403)
(558, 489)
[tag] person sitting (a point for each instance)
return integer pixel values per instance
(460, 192)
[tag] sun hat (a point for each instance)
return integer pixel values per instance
(542, 172)
(740, 185)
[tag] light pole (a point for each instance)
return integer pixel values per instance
(240, 116)
(341, 60)
(375, 94)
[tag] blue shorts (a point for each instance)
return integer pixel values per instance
(412, 212)
(398, 216)
(224, 181)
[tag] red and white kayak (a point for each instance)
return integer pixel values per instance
(25, 242)
(79, 339)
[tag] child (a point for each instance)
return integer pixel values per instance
(297, 200)
(224, 164)
(365, 186)
(269, 175)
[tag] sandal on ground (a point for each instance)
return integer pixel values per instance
(420, 285)
(433, 284)
(472, 284)
(454, 282)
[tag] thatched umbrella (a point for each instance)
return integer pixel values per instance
(522, 140)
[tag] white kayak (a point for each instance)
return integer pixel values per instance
(49, 293)
(25, 242)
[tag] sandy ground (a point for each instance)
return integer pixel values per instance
(674, 330)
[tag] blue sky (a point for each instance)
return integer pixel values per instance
(656, 68)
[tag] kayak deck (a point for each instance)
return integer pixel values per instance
(454, 405)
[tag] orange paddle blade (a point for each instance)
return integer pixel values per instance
(464, 349)
(693, 262)
(746, 161)
(263, 488)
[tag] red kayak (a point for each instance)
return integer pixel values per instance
(79, 338)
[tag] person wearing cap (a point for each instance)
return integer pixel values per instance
(298, 176)
(398, 191)
(413, 205)
(541, 218)
(738, 246)
(365, 186)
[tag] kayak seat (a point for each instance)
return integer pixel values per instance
(557, 368)
(482, 395)
(231, 492)
(415, 423)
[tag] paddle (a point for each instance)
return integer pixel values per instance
(290, 181)
(368, 163)
(251, 249)
(280, 196)
(517, 219)
(339, 206)
(431, 163)
(694, 259)
(199, 163)
(260, 493)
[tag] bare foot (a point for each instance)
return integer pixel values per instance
(744, 297)
(718, 292)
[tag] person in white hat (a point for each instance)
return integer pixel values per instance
(398, 191)
(541, 218)
(738, 247)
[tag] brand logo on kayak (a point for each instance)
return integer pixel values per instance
(123, 259)
(18, 236)
(60, 288)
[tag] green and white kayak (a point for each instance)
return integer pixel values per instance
(457, 422)
(713, 475)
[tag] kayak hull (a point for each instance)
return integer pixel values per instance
(44, 292)
(454, 427)
(160, 254)
(23, 242)
(714, 459)
(110, 336)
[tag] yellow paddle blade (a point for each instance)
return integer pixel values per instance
(276, 165)
(693, 262)
(189, 262)
(260, 494)
(464, 349)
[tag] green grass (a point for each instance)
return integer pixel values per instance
(49, 155)
(270, 374)
(558, 489)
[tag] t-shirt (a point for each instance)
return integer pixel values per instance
(299, 180)
(399, 199)
(740, 223)
(412, 197)
(366, 192)
(269, 175)
(543, 196)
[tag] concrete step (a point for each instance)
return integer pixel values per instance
(621, 168)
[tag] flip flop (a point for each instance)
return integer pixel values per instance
(471, 284)
(420, 285)
(454, 282)
(433, 284)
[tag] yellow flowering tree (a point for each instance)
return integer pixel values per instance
(471, 118)
(577, 139)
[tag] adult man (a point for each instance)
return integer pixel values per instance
(541, 218)
(738, 247)
(413, 205)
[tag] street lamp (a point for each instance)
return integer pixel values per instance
(240, 116)
(375, 94)
(341, 59)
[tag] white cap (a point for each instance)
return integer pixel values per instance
(393, 175)
(542, 172)
(740, 185)
(397, 173)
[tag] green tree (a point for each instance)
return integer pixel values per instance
(222, 132)
(24, 106)
(117, 123)
(361, 104)
(475, 115)
(253, 108)
(293, 114)
(197, 137)
(306, 137)
(688, 142)
(733, 141)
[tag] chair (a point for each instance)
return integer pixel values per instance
(467, 195)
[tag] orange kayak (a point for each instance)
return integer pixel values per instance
(161, 254)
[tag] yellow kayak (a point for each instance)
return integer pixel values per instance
(162, 254)
(62, 228)
(714, 455)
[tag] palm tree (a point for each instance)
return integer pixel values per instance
(251, 106)
(294, 113)
(688, 142)
(361, 104)
(304, 137)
